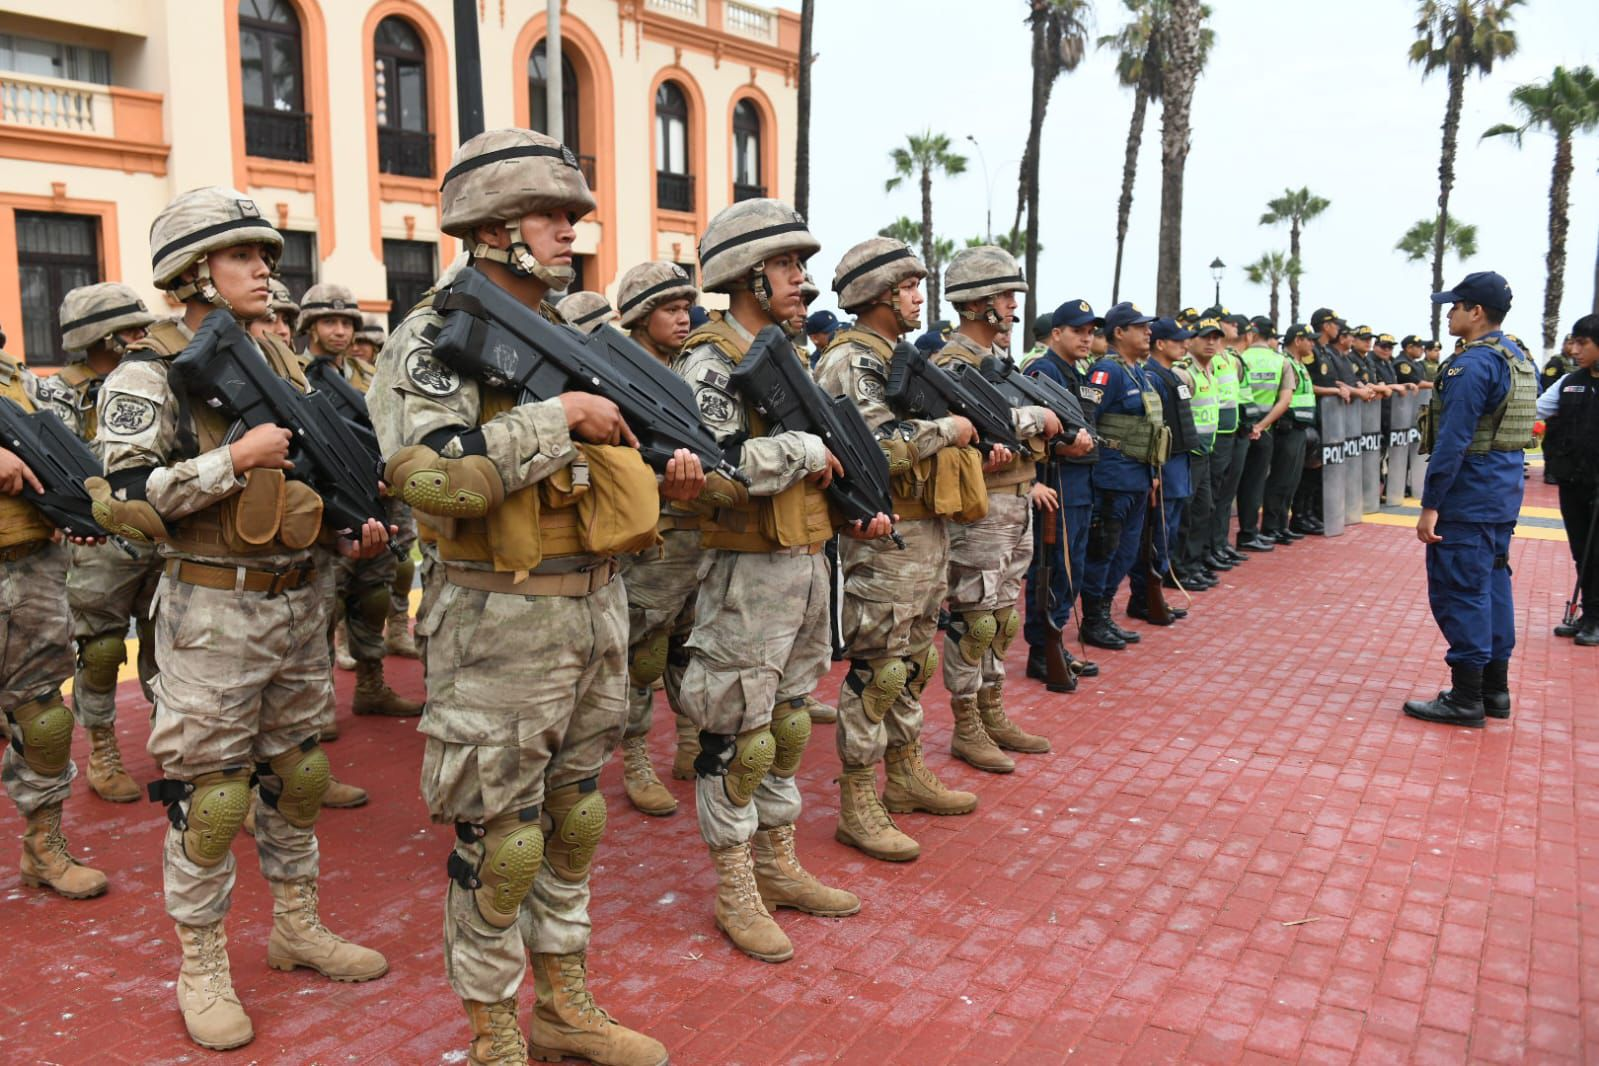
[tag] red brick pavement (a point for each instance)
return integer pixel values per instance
(1132, 897)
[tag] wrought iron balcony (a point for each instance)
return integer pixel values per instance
(405, 152)
(273, 134)
(674, 192)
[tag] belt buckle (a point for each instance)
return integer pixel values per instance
(280, 580)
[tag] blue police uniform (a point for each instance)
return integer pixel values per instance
(1121, 485)
(1175, 490)
(1073, 481)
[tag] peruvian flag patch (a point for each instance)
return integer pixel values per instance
(1100, 377)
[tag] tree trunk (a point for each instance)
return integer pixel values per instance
(1176, 124)
(1446, 182)
(934, 269)
(1293, 276)
(802, 145)
(1124, 206)
(1555, 265)
(1043, 82)
(1276, 284)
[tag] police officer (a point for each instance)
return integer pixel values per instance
(1571, 455)
(1197, 562)
(1289, 441)
(241, 621)
(1232, 436)
(1168, 343)
(586, 311)
(520, 593)
(1270, 388)
(106, 584)
(1560, 363)
(1483, 411)
(1131, 425)
(988, 558)
(764, 570)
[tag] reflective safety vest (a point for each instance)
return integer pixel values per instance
(1264, 369)
(1304, 398)
(1205, 404)
(1228, 392)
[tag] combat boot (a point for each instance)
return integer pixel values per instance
(46, 863)
(971, 742)
(397, 638)
(644, 789)
(106, 774)
(1588, 635)
(496, 1037)
(913, 787)
(567, 1023)
(341, 647)
(374, 696)
(1094, 627)
(739, 910)
(688, 749)
(1000, 729)
(864, 824)
(1496, 689)
(300, 939)
(340, 794)
(1460, 704)
(211, 1010)
(783, 882)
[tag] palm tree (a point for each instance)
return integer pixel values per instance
(1139, 68)
(1421, 241)
(1060, 37)
(921, 155)
(1271, 269)
(1565, 105)
(1185, 56)
(1013, 242)
(1295, 207)
(906, 229)
(1459, 37)
(802, 114)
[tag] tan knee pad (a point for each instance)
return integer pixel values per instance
(1006, 624)
(878, 682)
(100, 659)
(922, 665)
(974, 632)
(372, 605)
(303, 775)
(43, 734)
(576, 817)
(647, 659)
(753, 753)
(513, 847)
(217, 805)
(468, 487)
(791, 731)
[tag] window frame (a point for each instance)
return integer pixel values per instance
(51, 353)
(418, 281)
(293, 123)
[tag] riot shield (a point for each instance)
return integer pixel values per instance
(1418, 462)
(1371, 455)
(1332, 464)
(1354, 474)
(1403, 415)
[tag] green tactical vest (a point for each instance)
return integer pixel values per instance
(1143, 439)
(1304, 392)
(1508, 427)
(1264, 372)
(1207, 412)
(1227, 393)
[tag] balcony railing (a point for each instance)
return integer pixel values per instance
(747, 192)
(683, 9)
(408, 153)
(674, 192)
(753, 22)
(55, 104)
(273, 134)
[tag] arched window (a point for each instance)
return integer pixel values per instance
(401, 79)
(538, 83)
(747, 152)
(275, 123)
(674, 185)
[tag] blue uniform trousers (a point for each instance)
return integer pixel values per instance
(1163, 537)
(1121, 517)
(1063, 588)
(1468, 586)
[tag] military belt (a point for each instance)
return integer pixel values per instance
(677, 521)
(240, 578)
(573, 583)
(23, 550)
(1020, 488)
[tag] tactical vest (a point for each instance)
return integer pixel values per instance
(358, 372)
(797, 517)
(1227, 393)
(20, 521)
(1571, 446)
(1264, 368)
(1206, 404)
(1022, 469)
(86, 383)
(1141, 438)
(1508, 427)
(1179, 417)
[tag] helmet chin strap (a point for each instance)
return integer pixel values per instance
(518, 258)
(761, 287)
(905, 324)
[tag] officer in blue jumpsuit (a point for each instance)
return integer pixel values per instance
(1066, 348)
(1483, 415)
(1120, 402)
(1167, 339)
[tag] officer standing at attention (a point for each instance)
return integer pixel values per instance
(1232, 435)
(1483, 411)
(1288, 443)
(1269, 385)
(106, 585)
(1126, 409)
(525, 629)
(1571, 453)
(988, 558)
(1197, 558)
(1168, 343)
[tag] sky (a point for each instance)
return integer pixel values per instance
(1296, 93)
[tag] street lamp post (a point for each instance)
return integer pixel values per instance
(988, 187)
(1217, 268)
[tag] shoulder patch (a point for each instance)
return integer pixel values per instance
(869, 388)
(715, 378)
(1308, 358)
(430, 376)
(1183, 393)
(1323, 368)
(1100, 377)
(869, 363)
(1091, 394)
(127, 416)
(1551, 371)
(714, 404)
(1452, 371)
(1404, 368)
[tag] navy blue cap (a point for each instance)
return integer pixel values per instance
(1204, 327)
(929, 342)
(1125, 314)
(1167, 329)
(698, 316)
(1484, 287)
(1074, 313)
(1410, 338)
(1298, 330)
(1262, 325)
(821, 322)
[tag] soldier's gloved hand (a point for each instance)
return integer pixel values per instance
(824, 477)
(684, 478)
(596, 419)
(14, 474)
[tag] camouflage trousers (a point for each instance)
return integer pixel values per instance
(891, 601)
(362, 592)
(760, 637)
(244, 678)
(526, 695)
(660, 608)
(987, 563)
(105, 588)
(35, 658)
(400, 515)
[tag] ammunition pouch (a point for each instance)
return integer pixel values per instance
(797, 517)
(956, 488)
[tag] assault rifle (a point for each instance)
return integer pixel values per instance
(1058, 676)
(224, 369)
(61, 462)
(1021, 390)
(1155, 605)
(324, 376)
(777, 384)
(491, 336)
(919, 388)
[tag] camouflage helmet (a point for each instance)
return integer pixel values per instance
(743, 236)
(647, 286)
(873, 267)
(327, 301)
(282, 300)
(498, 177)
(93, 313)
(975, 273)
(198, 222)
(372, 330)
(585, 311)
(809, 290)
